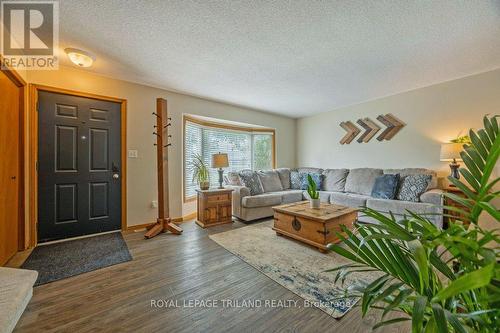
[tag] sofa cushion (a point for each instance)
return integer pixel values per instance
(334, 179)
(416, 171)
(316, 177)
(386, 186)
(289, 196)
(360, 181)
(310, 170)
(349, 199)
(251, 180)
(400, 208)
(295, 181)
(434, 196)
(412, 187)
(324, 196)
(270, 181)
(284, 174)
(261, 200)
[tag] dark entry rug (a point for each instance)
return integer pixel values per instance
(61, 260)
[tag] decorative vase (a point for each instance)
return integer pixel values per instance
(204, 185)
(314, 203)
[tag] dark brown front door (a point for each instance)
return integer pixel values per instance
(9, 167)
(79, 164)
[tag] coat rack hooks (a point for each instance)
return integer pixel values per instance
(164, 222)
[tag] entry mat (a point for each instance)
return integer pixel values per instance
(65, 259)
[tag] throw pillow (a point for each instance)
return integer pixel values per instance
(385, 186)
(412, 187)
(317, 178)
(295, 181)
(251, 180)
(270, 181)
(233, 178)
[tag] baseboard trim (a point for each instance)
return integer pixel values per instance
(189, 217)
(138, 226)
(182, 219)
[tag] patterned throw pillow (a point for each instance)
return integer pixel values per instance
(385, 186)
(295, 181)
(251, 180)
(411, 187)
(233, 178)
(317, 178)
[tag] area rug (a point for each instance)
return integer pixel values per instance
(61, 260)
(296, 266)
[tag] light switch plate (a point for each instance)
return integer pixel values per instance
(133, 153)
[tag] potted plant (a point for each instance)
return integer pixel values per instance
(442, 280)
(313, 192)
(200, 172)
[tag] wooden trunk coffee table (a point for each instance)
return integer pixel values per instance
(315, 226)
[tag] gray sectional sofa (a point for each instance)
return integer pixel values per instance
(340, 186)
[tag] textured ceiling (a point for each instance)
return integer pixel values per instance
(293, 58)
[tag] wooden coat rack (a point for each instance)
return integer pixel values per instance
(163, 223)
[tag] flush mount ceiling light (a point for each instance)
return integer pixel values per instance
(79, 57)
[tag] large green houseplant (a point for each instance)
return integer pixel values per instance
(200, 171)
(441, 280)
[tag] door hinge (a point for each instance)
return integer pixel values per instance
(36, 166)
(37, 106)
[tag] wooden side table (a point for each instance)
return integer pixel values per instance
(449, 202)
(214, 207)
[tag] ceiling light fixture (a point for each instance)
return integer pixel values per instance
(79, 57)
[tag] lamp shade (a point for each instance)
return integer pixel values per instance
(451, 151)
(220, 160)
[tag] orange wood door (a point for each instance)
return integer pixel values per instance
(9, 167)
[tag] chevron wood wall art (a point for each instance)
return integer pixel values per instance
(393, 124)
(352, 132)
(370, 129)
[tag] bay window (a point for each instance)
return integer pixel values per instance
(247, 148)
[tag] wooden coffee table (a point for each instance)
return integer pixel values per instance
(317, 227)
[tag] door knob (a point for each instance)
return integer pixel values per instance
(13, 177)
(116, 176)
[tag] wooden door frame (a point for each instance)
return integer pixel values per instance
(33, 146)
(21, 83)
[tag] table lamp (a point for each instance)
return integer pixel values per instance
(450, 152)
(220, 161)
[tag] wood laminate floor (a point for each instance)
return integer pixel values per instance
(177, 269)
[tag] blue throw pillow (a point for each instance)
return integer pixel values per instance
(317, 178)
(385, 186)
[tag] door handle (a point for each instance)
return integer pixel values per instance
(116, 176)
(13, 177)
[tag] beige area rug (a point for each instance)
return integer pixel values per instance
(296, 266)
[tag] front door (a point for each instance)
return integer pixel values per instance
(79, 163)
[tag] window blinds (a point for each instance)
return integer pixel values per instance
(246, 150)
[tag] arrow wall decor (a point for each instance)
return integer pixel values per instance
(352, 132)
(370, 128)
(391, 122)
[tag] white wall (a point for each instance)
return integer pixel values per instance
(433, 115)
(141, 177)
